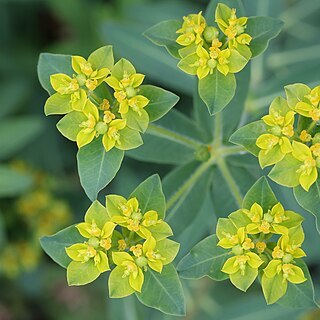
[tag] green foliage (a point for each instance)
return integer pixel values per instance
(97, 167)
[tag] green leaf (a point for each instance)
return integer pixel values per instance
(244, 282)
(57, 104)
(69, 125)
(260, 193)
(17, 133)
(172, 140)
(79, 273)
(49, 64)
(185, 189)
(247, 136)
(102, 58)
(296, 93)
(129, 139)
(310, 200)
(119, 286)
(137, 121)
(211, 8)
(300, 295)
(205, 259)
(12, 182)
(122, 67)
(285, 172)
(150, 196)
(217, 90)
(55, 245)
(164, 34)
(161, 101)
(163, 291)
(273, 288)
(262, 30)
(97, 167)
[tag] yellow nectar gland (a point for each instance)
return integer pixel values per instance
(105, 105)
(90, 123)
(247, 244)
(108, 117)
(288, 131)
(214, 49)
(91, 84)
(264, 227)
(120, 96)
(122, 245)
(277, 253)
(305, 136)
(86, 68)
(130, 267)
(136, 250)
(105, 243)
(287, 270)
(315, 114)
(315, 149)
(154, 255)
(261, 246)
(307, 166)
(88, 253)
(114, 134)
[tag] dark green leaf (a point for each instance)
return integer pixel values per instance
(161, 101)
(262, 30)
(260, 193)
(97, 167)
(163, 291)
(217, 90)
(205, 259)
(55, 245)
(150, 196)
(51, 64)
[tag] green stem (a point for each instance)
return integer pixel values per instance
(173, 136)
(217, 130)
(227, 151)
(188, 184)
(311, 126)
(230, 181)
(94, 98)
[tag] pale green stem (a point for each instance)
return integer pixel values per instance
(173, 136)
(230, 181)
(311, 126)
(189, 183)
(217, 129)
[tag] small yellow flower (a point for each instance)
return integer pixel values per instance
(305, 136)
(308, 172)
(261, 246)
(309, 107)
(192, 30)
(112, 137)
(315, 149)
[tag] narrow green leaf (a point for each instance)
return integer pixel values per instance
(164, 34)
(172, 140)
(185, 189)
(49, 64)
(310, 200)
(161, 101)
(97, 167)
(262, 30)
(205, 259)
(12, 182)
(217, 90)
(163, 291)
(150, 196)
(247, 136)
(17, 133)
(55, 245)
(260, 193)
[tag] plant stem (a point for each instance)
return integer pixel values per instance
(173, 136)
(217, 130)
(311, 126)
(188, 184)
(230, 181)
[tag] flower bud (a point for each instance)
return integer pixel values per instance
(141, 262)
(202, 154)
(94, 242)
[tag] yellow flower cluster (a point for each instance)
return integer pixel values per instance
(41, 213)
(249, 235)
(289, 142)
(91, 109)
(131, 240)
(206, 50)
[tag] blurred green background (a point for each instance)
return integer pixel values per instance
(39, 186)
